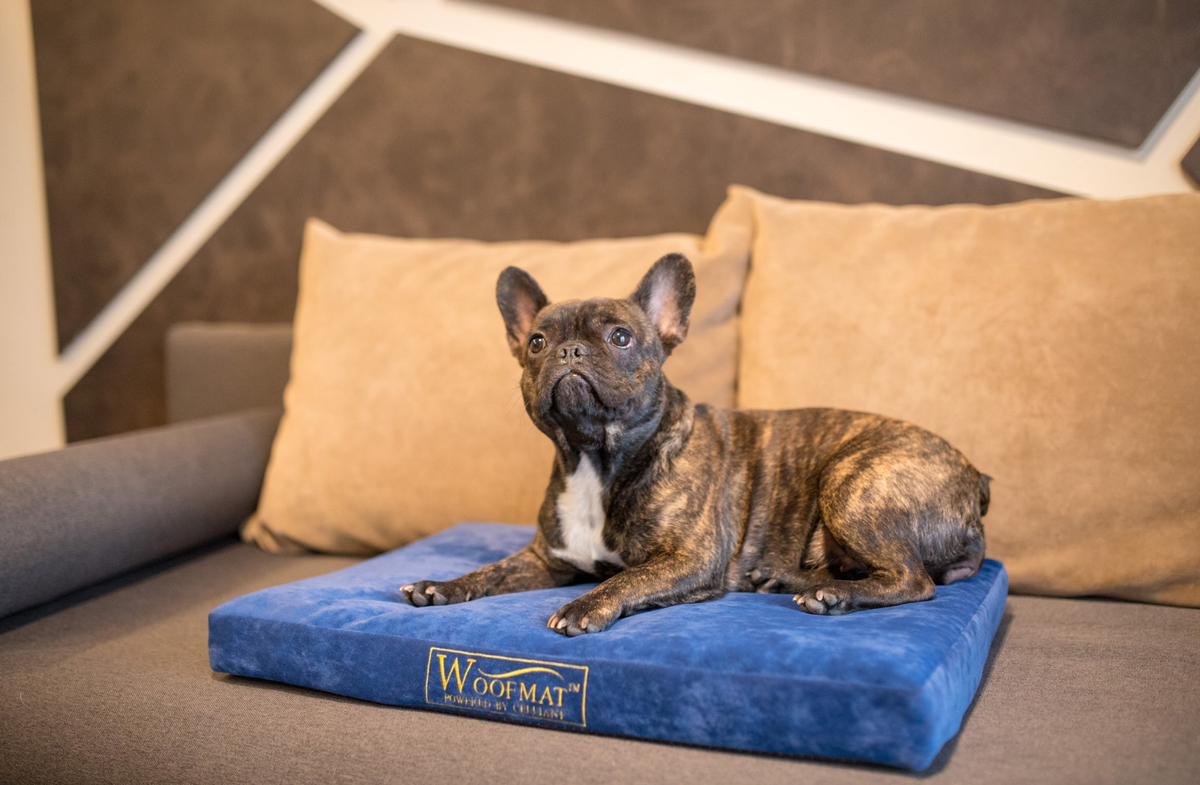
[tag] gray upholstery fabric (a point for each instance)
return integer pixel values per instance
(220, 368)
(117, 688)
(75, 516)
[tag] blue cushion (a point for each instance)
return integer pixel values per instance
(748, 671)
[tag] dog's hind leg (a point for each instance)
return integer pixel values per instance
(873, 541)
(767, 580)
(877, 590)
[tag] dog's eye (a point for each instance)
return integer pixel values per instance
(621, 337)
(536, 344)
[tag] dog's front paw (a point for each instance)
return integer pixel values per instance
(424, 593)
(581, 615)
(823, 600)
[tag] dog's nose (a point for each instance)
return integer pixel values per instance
(572, 351)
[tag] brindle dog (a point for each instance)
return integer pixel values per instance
(670, 502)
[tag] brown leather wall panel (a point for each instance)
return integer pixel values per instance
(1103, 69)
(145, 105)
(1191, 163)
(433, 141)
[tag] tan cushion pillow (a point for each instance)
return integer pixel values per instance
(403, 413)
(1057, 343)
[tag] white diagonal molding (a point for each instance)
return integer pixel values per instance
(1178, 129)
(966, 140)
(233, 189)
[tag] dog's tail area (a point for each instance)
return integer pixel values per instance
(970, 559)
(985, 493)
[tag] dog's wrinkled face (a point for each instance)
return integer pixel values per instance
(592, 364)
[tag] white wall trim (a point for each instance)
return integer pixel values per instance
(30, 409)
(233, 189)
(1177, 130)
(966, 140)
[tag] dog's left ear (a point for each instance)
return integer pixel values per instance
(666, 295)
(520, 298)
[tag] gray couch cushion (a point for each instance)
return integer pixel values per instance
(117, 688)
(217, 368)
(71, 517)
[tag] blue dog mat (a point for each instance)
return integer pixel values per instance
(747, 672)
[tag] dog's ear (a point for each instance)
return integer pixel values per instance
(520, 298)
(666, 295)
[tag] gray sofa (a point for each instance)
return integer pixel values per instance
(114, 551)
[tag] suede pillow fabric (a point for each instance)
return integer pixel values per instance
(403, 413)
(1056, 343)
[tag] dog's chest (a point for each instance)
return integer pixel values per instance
(580, 510)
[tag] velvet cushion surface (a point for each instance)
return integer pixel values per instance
(748, 671)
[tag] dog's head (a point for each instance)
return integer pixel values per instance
(592, 364)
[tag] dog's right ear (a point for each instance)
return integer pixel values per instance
(520, 298)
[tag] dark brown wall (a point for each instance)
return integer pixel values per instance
(1191, 163)
(430, 141)
(145, 105)
(1104, 69)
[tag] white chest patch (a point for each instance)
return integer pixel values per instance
(581, 520)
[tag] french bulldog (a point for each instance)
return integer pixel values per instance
(667, 502)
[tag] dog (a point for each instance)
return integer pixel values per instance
(668, 502)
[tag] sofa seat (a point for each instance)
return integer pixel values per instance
(113, 685)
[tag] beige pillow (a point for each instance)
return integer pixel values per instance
(403, 413)
(1057, 343)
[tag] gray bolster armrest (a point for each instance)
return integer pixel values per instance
(93, 510)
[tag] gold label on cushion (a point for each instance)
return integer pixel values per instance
(521, 689)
